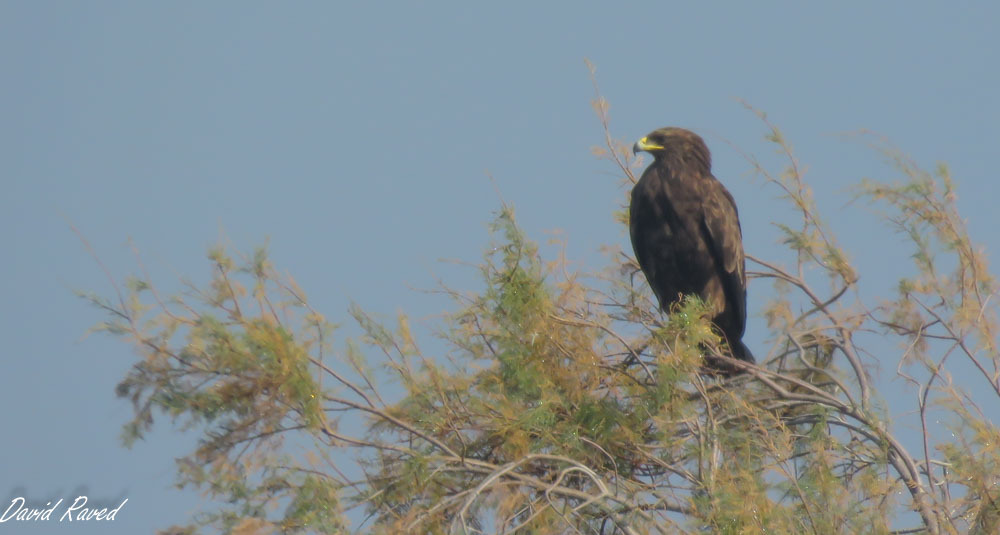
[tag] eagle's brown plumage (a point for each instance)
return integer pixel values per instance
(686, 232)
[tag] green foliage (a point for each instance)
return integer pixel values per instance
(565, 402)
(242, 379)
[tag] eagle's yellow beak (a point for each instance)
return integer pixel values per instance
(644, 144)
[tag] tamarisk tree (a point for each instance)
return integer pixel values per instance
(564, 402)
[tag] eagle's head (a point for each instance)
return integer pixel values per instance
(672, 144)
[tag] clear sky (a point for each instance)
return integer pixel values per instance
(358, 139)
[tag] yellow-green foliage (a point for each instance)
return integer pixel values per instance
(564, 402)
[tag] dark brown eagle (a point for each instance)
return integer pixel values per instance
(686, 232)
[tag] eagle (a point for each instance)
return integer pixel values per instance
(686, 235)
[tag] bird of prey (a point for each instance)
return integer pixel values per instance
(686, 232)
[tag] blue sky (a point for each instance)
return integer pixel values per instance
(357, 140)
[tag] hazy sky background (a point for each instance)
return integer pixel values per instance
(357, 139)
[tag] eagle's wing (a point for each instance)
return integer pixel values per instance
(722, 225)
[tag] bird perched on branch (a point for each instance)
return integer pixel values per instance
(686, 232)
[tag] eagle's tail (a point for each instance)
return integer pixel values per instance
(742, 352)
(717, 366)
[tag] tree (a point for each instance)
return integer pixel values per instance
(568, 404)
